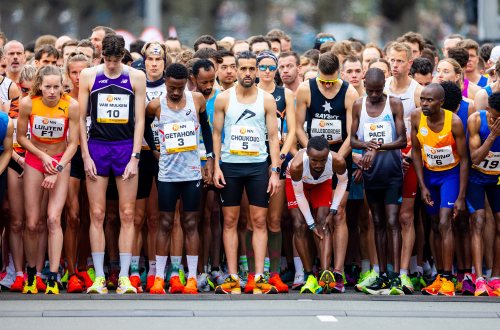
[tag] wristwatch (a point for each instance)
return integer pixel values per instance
(333, 211)
(276, 169)
(210, 155)
(136, 155)
(282, 156)
(59, 168)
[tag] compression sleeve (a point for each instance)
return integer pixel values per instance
(206, 131)
(298, 189)
(340, 190)
(148, 133)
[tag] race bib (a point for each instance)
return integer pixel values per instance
(179, 137)
(48, 128)
(490, 164)
(88, 122)
(437, 157)
(245, 141)
(381, 132)
(156, 136)
(329, 129)
(113, 108)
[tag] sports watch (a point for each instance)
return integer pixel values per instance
(136, 155)
(276, 169)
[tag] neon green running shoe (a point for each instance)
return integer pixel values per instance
(368, 280)
(407, 284)
(182, 276)
(311, 286)
(99, 286)
(91, 273)
(64, 279)
(124, 286)
(363, 275)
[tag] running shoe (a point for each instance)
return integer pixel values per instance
(380, 286)
(99, 286)
(250, 284)
(298, 281)
(458, 281)
(287, 276)
(136, 283)
(243, 279)
(144, 278)
(468, 287)
(182, 276)
(18, 284)
(482, 288)
(9, 278)
(30, 287)
(85, 277)
(124, 286)
(158, 286)
(447, 288)
(494, 284)
(52, 287)
(434, 288)
(339, 283)
(3, 274)
(363, 275)
(64, 279)
(202, 281)
(75, 285)
(191, 286)
(217, 277)
(418, 282)
(263, 287)
(276, 281)
(91, 273)
(176, 285)
(40, 284)
(150, 281)
(395, 286)
(230, 286)
(311, 286)
(113, 280)
(407, 284)
(368, 279)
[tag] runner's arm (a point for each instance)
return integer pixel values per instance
(83, 102)
(478, 151)
(350, 97)
(291, 122)
(272, 129)
(458, 132)
(73, 121)
(7, 146)
(139, 83)
(303, 95)
(397, 112)
(340, 169)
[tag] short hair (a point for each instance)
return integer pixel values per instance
(452, 95)
(485, 51)
(273, 38)
(28, 73)
(276, 33)
(255, 39)
(497, 68)
(401, 47)
(46, 49)
(455, 36)
(328, 63)
(72, 42)
(1, 52)
(246, 55)
(382, 60)
(352, 59)
(290, 53)
(225, 53)
(421, 65)
(136, 46)
(469, 44)
(30, 46)
(86, 43)
(374, 74)
(374, 46)
(47, 70)
(356, 44)
(113, 45)
(176, 71)
(46, 39)
(459, 54)
(202, 63)
(208, 53)
(342, 48)
(430, 55)
(313, 55)
(184, 56)
(237, 42)
(107, 30)
(413, 38)
(494, 101)
(76, 57)
(3, 37)
(457, 68)
(204, 39)
(318, 143)
(127, 57)
(326, 47)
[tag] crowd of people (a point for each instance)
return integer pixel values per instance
(241, 165)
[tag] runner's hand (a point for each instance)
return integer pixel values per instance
(90, 169)
(50, 181)
(49, 164)
(209, 171)
(367, 160)
(358, 175)
(274, 183)
(218, 178)
(131, 169)
(316, 232)
(372, 145)
(495, 128)
(426, 196)
(458, 208)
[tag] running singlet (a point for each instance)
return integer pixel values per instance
(327, 117)
(488, 90)
(386, 170)
(210, 114)
(4, 122)
(408, 100)
(14, 114)
(483, 81)
(244, 130)
(307, 177)
(279, 97)
(179, 136)
(154, 92)
(111, 107)
(488, 171)
(439, 150)
(49, 125)
(463, 113)
(5, 84)
(465, 91)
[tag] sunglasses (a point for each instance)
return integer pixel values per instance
(25, 90)
(326, 82)
(271, 68)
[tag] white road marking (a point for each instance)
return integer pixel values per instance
(327, 318)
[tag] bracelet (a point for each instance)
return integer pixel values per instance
(312, 226)
(17, 161)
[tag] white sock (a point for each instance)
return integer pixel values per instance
(134, 266)
(176, 264)
(235, 276)
(299, 268)
(19, 274)
(420, 270)
(152, 268)
(403, 272)
(11, 263)
(98, 261)
(161, 263)
(192, 262)
(473, 270)
(434, 270)
(488, 273)
(125, 259)
(365, 265)
(258, 276)
(376, 268)
(413, 264)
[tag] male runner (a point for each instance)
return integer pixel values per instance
(15, 59)
(352, 72)
(226, 72)
(289, 67)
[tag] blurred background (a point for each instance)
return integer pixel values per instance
(368, 20)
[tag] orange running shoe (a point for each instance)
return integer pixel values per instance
(250, 283)
(231, 285)
(175, 285)
(18, 284)
(447, 288)
(276, 281)
(158, 286)
(74, 284)
(40, 285)
(136, 283)
(262, 287)
(191, 286)
(150, 281)
(87, 281)
(434, 288)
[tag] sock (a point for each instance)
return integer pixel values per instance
(473, 270)
(125, 259)
(192, 262)
(267, 264)
(299, 268)
(52, 276)
(160, 264)
(152, 267)
(11, 262)
(142, 264)
(488, 273)
(433, 271)
(403, 272)
(134, 266)
(365, 265)
(420, 270)
(427, 268)
(447, 275)
(98, 261)
(39, 274)
(258, 276)
(176, 262)
(306, 275)
(215, 269)
(31, 273)
(19, 274)
(90, 262)
(283, 264)
(235, 276)
(244, 263)
(390, 268)
(413, 264)
(274, 242)
(376, 268)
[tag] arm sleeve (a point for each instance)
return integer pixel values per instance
(148, 133)
(298, 189)
(206, 131)
(340, 190)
